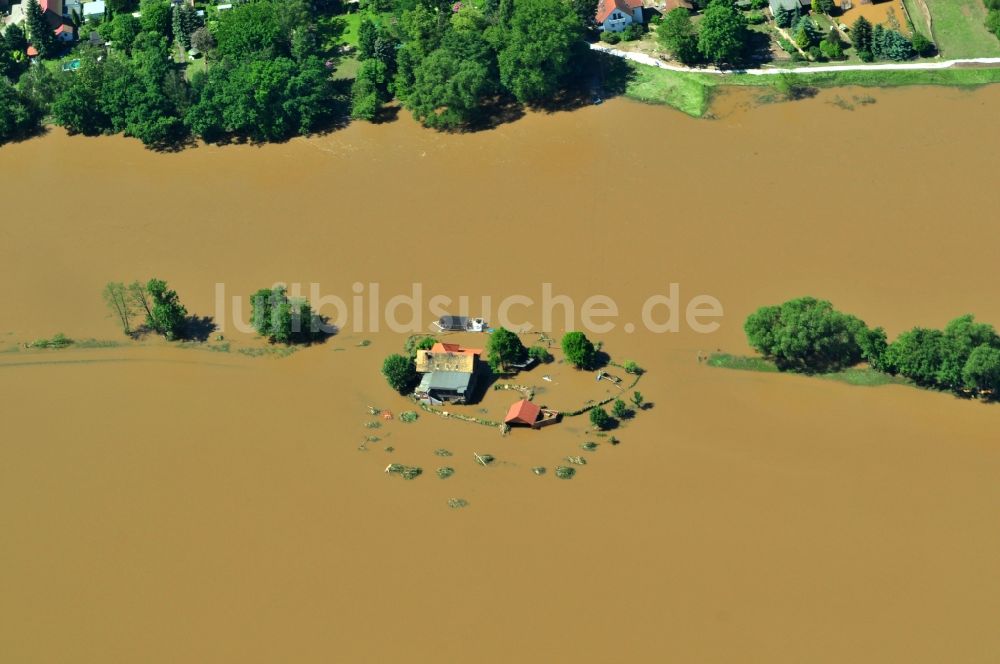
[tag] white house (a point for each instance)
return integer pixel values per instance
(93, 10)
(616, 15)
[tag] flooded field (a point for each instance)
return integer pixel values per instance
(165, 504)
(890, 14)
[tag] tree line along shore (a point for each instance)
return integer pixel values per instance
(169, 73)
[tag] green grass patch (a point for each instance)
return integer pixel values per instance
(217, 347)
(96, 343)
(687, 92)
(268, 351)
(347, 68)
(59, 340)
(194, 66)
(741, 363)
(862, 376)
(339, 30)
(865, 377)
(959, 29)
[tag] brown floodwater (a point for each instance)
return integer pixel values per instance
(163, 504)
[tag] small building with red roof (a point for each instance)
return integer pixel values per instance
(616, 15)
(529, 414)
(523, 412)
(455, 348)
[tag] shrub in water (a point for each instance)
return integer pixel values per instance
(565, 472)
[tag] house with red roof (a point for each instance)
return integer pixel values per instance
(54, 12)
(529, 414)
(449, 371)
(455, 348)
(616, 15)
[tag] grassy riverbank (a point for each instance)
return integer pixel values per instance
(692, 93)
(863, 376)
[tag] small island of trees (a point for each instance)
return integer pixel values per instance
(164, 313)
(809, 336)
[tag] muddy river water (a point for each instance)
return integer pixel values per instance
(164, 504)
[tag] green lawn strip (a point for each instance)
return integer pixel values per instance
(960, 30)
(741, 363)
(865, 377)
(692, 93)
(862, 376)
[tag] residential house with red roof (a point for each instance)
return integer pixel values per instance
(449, 373)
(55, 14)
(616, 15)
(528, 414)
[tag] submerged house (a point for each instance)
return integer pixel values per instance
(449, 373)
(529, 414)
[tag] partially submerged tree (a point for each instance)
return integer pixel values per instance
(633, 368)
(982, 370)
(620, 410)
(400, 373)
(167, 314)
(281, 319)
(600, 419)
(139, 297)
(579, 350)
(503, 349)
(809, 335)
(540, 354)
(116, 296)
(958, 357)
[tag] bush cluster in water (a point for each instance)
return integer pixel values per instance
(810, 336)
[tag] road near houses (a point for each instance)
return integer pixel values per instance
(649, 60)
